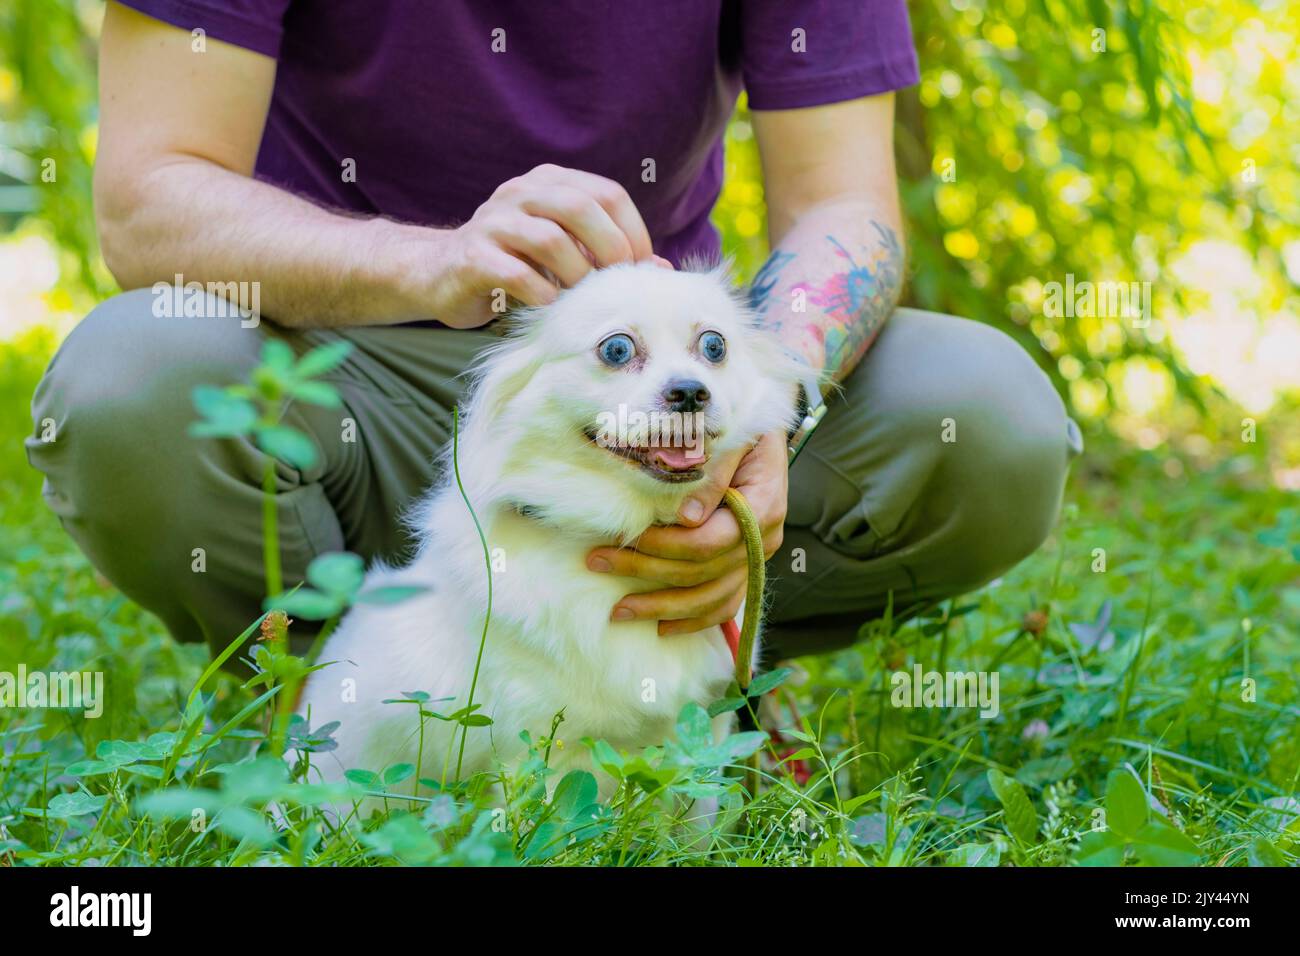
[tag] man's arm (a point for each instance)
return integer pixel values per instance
(174, 194)
(836, 268)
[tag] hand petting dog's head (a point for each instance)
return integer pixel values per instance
(604, 409)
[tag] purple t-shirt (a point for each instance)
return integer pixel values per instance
(438, 103)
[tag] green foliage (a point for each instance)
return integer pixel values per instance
(337, 578)
(48, 116)
(1209, 589)
(256, 408)
(1022, 821)
(1128, 812)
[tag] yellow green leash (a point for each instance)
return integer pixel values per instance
(742, 644)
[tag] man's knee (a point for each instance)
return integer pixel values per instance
(1001, 444)
(124, 366)
(959, 441)
(117, 394)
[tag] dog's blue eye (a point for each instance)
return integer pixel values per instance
(617, 350)
(713, 346)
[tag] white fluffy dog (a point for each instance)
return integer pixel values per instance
(549, 481)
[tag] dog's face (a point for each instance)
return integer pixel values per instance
(620, 395)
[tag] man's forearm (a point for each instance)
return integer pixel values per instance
(313, 267)
(830, 284)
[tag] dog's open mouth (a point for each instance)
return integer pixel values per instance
(670, 462)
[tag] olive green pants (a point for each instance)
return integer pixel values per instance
(939, 466)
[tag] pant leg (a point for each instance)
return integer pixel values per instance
(175, 521)
(940, 467)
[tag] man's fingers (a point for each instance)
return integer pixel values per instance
(693, 624)
(773, 538)
(679, 572)
(720, 533)
(629, 563)
(494, 268)
(613, 198)
(546, 243)
(704, 500)
(589, 222)
(704, 600)
(550, 220)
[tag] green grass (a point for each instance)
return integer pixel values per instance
(1141, 722)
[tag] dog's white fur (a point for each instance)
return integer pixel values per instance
(551, 644)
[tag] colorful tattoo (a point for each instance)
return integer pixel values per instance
(765, 281)
(852, 297)
(854, 302)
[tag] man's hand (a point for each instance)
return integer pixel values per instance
(538, 233)
(703, 560)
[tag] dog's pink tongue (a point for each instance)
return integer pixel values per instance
(676, 458)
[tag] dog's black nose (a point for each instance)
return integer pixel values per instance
(685, 395)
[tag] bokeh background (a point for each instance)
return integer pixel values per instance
(1109, 140)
